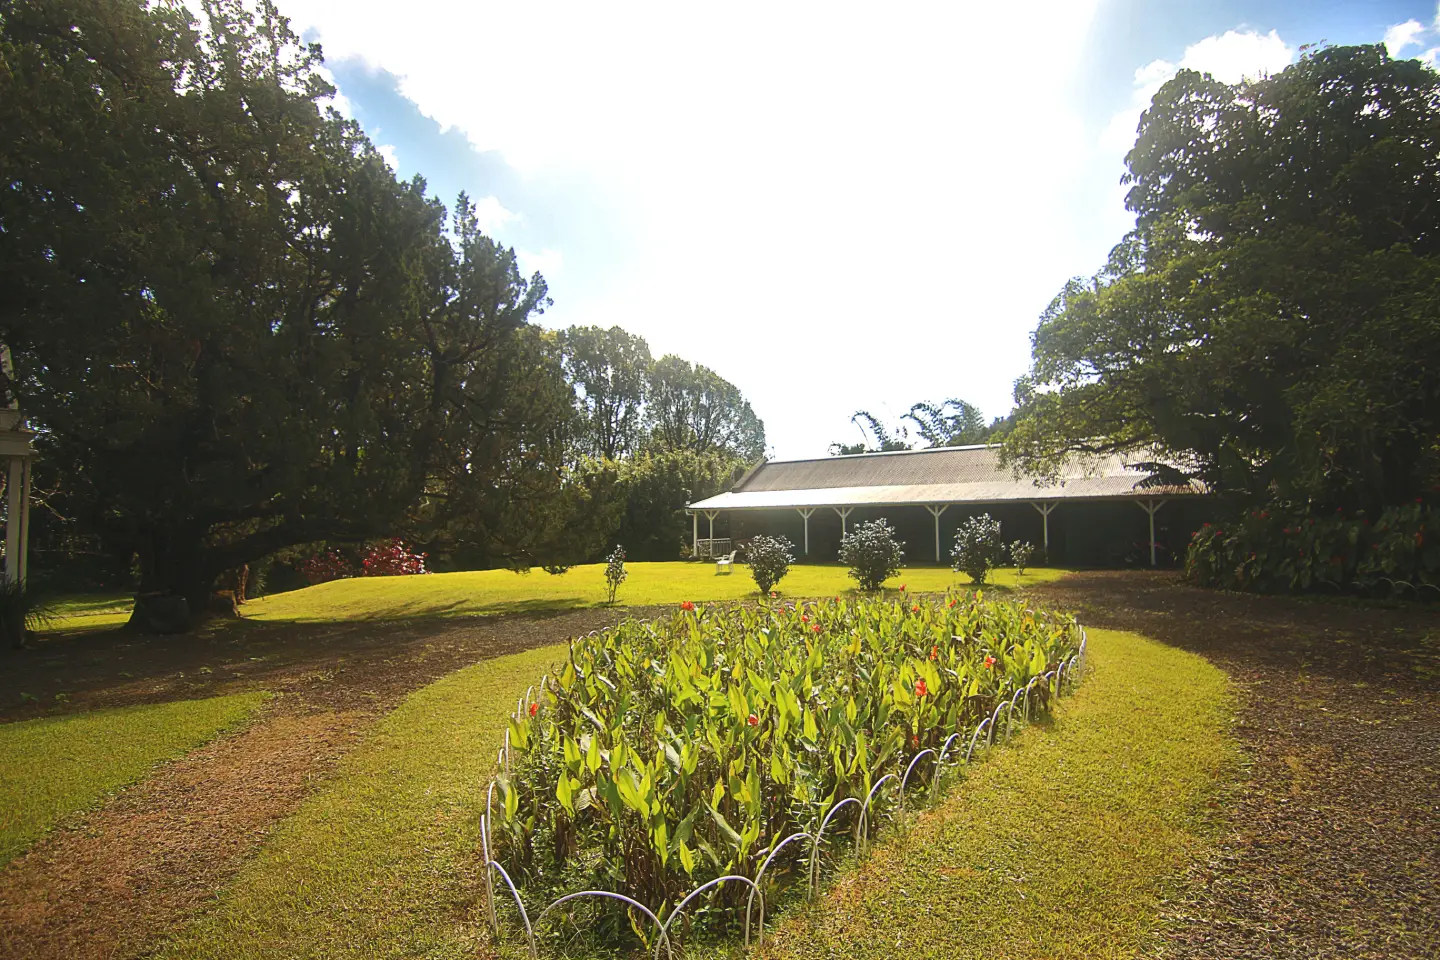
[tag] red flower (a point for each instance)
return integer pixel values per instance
(534, 709)
(989, 661)
(753, 720)
(902, 588)
(687, 605)
(804, 618)
(920, 689)
(816, 628)
(935, 652)
(774, 594)
(952, 603)
(915, 741)
(915, 609)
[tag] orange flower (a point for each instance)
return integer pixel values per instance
(804, 618)
(534, 709)
(816, 628)
(989, 661)
(687, 605)
(753, 720)
(915, 609)
(920, 689)
(935, 652)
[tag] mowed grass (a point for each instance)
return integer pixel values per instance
(1062, 846)
(383, 860)
(496, 591)
(94, 611)
(1058, 845)
(54, 767)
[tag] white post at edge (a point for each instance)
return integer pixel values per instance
(14, 519)
(806, 512)
(25, 523)
(844, 512)
(694, 534)
(935, 512)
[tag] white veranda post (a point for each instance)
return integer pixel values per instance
(935, 511)
(806, 512)
(710, 515)
(1045, 510)
(1150, 507)
(844, 512)
(16, 452)
(694, 533)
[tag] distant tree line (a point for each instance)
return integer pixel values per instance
(238, 334)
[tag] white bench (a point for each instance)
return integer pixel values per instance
(723, 564)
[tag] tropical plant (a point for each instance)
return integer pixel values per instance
(22, 611)
(662, 755)
(872, 553)
(1022, 554)
(769, 559)
(1283, 549)
(615, 573)
(977, 547)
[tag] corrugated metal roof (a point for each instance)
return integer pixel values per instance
(941, 475)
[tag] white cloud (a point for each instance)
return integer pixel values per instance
(492, 215)
(1229, 57)
(387, 150)
(1403, 35)
(548, 262)
(832, 205)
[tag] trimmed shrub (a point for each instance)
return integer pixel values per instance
(614, 572)
(872, 553)
(977, 548)
(1022, 554)
(392, 559)
(1280, 550)
(769, 559)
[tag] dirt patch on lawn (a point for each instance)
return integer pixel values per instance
(114, 882)
(1331, 846)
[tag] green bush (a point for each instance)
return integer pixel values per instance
(1283, 550)
(872, 553)
(666, 754)
(769, 559)
(978, 547)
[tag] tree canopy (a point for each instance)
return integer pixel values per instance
(953, 423)
(237, 332)
(1272, 325)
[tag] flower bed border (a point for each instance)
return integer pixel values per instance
(1066, 672)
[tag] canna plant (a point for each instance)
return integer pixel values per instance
(664, 754)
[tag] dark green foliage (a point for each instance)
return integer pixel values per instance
(954, 423)
(22, 611)
(872, 553)
(769, 559)
(1283, 550)
(978, 547)
(1272, 326)
(235, 329)
(654, 488)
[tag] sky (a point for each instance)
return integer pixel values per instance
(835, 206)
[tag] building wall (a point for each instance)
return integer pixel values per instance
(1083, 533)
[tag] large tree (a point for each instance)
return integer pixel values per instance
(235, 330)
(1272, 326)
(691, 407)
(609, 369)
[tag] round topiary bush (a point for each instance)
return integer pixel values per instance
(978, 547)
(872, 553)
(769, 559)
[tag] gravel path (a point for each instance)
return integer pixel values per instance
(1332, 846)
(110, 884)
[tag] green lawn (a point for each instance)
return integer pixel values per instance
(478, 592)
(1059, 845)
(56, 766)
(495, 591)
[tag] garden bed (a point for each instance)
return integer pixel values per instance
(706, 753)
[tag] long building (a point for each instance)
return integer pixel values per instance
(1098, 512)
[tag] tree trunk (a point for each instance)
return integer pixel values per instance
(175, 582)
